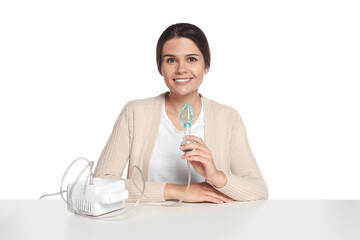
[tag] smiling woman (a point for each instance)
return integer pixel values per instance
(183, 66)
(148, 133)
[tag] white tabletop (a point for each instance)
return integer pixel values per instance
(271, 219)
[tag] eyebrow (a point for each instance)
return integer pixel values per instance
(188, 55)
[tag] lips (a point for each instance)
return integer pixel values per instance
(182, 80)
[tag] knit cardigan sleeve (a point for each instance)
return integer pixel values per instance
(245, 181)
(116, 155)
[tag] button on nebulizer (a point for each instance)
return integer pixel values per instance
(186, 118)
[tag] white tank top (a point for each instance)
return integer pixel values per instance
(166, 163)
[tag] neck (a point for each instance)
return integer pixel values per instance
(175, 102)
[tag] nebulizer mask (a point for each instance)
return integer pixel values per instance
(186, 118)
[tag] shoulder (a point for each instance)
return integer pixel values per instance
(141, 110)
(220, 106)
(145, 103)
(220, 110)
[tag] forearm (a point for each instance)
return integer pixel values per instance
(198, 192)
(245, 181)
(245, 189)
(173, 191)
(219, 179)
(154, 191)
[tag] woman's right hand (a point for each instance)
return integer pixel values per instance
(198, 192)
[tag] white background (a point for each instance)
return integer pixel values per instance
(291, 69)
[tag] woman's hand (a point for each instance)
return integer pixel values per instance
(198, 192)
(202, 161)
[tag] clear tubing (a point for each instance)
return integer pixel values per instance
(50, 194)
(186, 117)
(186, 190)
(188, 185)
(62, 180)
(176, 204)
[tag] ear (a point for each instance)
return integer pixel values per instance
(162, 72)
(206, 71)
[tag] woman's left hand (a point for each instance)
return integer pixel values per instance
(202, 161)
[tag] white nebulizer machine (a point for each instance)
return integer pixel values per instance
(103, 196)
(97, 197)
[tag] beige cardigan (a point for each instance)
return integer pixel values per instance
(134, 137)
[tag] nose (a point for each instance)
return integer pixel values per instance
(181, 67)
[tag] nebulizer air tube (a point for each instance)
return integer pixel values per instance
(186, 117)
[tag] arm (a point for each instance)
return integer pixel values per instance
(202, 162)
(116, 154)
(198, 192)
(245, 182)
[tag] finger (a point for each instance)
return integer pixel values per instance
(207, 195)
(201, 147)
(220, 196)
(195, 159)
(198, 159)
(213, 200)
(224, 197)
(197, 153)
(210, 188)
(216, 198)
(195, 139)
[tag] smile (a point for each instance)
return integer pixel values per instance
(182, 79)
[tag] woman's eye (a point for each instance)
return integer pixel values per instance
(192, 59)
(171, 60)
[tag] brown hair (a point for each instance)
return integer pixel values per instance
(186, 30)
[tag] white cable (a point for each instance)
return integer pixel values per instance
(89, 178)
(50, 194)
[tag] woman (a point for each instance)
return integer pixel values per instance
(148, 133)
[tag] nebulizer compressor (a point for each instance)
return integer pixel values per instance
(97, 197)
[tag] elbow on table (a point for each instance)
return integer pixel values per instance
(260, 192)
(256, 197)
(264, 195)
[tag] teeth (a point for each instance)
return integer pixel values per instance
(182, 80)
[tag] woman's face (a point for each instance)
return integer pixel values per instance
(183, 66)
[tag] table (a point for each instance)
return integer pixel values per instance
(270, 219)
